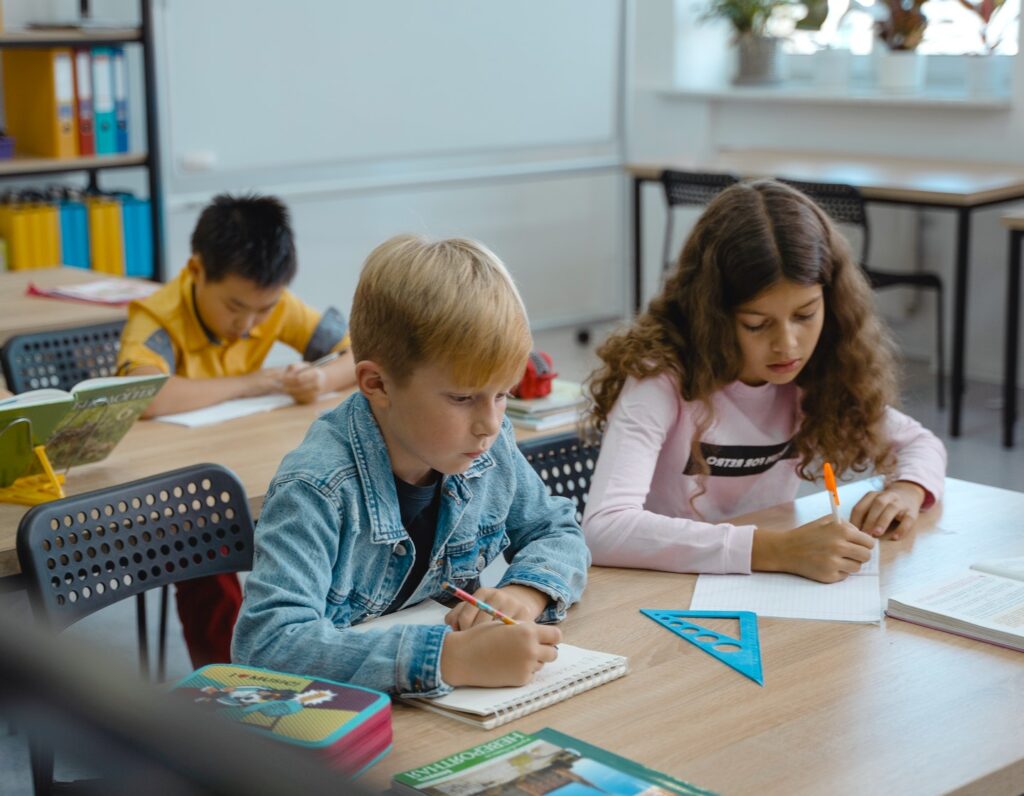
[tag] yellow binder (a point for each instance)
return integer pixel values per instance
(106, 238)
(16, 228)
(39, 101)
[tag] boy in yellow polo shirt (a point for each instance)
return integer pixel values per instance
(211, 328)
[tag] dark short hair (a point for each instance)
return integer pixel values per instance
(249, 236)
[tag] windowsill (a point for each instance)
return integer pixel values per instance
(800, 93)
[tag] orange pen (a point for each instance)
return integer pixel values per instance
(833, 493)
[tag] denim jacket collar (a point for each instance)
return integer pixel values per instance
(374, 465)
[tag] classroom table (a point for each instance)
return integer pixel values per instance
(846, 708)
(22, 314)
(960, 186)
(252, 447)
(1015, 223)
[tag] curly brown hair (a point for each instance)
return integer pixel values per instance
(751, 236)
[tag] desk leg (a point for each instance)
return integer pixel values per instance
(963, 243)
(638, 259)
(1012, 338)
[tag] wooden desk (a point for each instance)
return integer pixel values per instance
(1015, 223)
(252, 447)
(845, 709)
(21, 314)
(962, 187)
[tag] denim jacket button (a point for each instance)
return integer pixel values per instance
(481, 562)
(399, 549)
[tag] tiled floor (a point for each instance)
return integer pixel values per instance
(975, 456)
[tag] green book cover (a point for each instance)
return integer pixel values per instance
(544, 762)
(100, 414)
(77, 427)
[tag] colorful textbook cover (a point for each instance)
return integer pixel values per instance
(546, 761)
(77, 427)
(348, 725)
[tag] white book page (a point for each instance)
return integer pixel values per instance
(228, 410)
(856, 599)
(992, 602)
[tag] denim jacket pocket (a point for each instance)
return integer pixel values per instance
(467, 559)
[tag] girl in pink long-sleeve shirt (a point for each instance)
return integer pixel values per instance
(761, 358)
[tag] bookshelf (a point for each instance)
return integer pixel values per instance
(148, 159)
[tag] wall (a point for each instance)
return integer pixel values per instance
(662, 127)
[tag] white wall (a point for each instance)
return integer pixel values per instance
(662, 127)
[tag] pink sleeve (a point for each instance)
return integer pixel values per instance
(920, 455)
(619, 531)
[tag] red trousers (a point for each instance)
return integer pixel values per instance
(208, 608)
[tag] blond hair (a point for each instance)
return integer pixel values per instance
(450, 302)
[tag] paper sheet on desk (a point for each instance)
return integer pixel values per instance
(856, 599)
(229, 410)
(240, 407)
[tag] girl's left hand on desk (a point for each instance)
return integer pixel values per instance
(892, 512)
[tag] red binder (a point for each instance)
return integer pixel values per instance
(83, 101)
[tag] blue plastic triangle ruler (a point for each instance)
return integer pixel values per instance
(742, 654)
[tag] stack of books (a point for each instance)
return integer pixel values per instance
(564, 405)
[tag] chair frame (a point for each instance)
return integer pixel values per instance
(845, 205)
(60, 358)
(85, 552)
(689, 188)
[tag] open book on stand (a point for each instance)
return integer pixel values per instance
(74, 428)
(985, 602)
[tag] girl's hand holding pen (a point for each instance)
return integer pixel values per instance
(822, 550)
(495, 655)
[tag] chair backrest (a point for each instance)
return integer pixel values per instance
(84, 552)
(842, 203)
(689, 188)
(565, 464)
(60, 358)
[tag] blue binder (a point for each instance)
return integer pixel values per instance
(74, 234)
(104, 116)
(120, 75)
(138, 236)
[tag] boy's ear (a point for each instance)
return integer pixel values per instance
(372, 382)
(195, 267)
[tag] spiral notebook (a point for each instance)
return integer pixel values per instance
(574, 671)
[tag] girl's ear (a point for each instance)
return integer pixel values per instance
(372, 383)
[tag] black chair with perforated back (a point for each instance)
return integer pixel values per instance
(565, 464)
(85, 552)
(60, 358)
(694, 188)
(845, 205)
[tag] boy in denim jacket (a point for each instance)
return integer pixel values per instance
(413, 481)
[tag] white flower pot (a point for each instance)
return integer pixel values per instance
(900, 71)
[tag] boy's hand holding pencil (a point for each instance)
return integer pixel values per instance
(509, 604)
(305, 381)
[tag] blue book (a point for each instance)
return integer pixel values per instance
(74, 234)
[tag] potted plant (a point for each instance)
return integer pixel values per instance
(758, 50)
(901, 29)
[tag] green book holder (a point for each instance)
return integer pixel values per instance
(742, 654)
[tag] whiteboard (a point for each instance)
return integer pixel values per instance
(261, 84)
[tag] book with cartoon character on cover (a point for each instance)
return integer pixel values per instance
(347, 725)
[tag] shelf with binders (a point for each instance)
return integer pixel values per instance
(81, 70)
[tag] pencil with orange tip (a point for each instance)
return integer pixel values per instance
(833, 493)
(465, 596)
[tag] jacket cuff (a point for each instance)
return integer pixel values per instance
(418, 666)
(551, 586)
